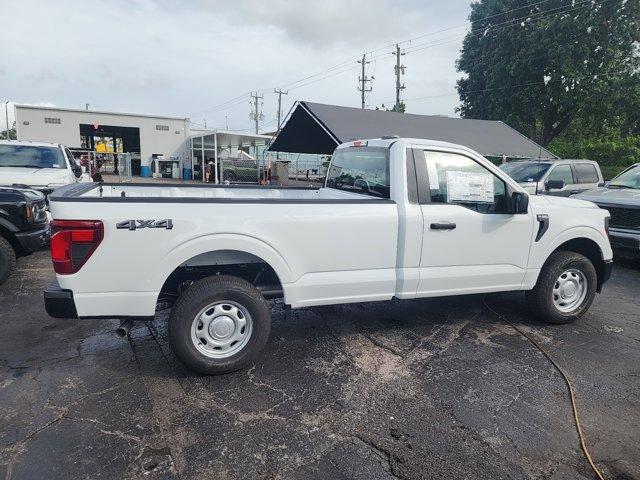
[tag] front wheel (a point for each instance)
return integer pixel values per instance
(565, 289)
(219, 324)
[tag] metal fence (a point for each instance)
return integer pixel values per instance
(262, 171)
(98, 163)
(300, 169)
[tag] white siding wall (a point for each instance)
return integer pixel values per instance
(67, 132)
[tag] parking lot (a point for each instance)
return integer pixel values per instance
(438, 388)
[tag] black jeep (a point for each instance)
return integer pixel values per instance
(24, 227)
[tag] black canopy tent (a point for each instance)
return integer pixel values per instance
(319, 128)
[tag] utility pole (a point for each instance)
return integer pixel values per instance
(280, 93)
(363, 80)
(399, 69)
(6, 117)
(256, 115)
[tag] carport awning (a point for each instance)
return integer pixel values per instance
(319, 128)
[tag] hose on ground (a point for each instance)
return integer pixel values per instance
(572, 396)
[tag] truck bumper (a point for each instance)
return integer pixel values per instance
(59, 303)
(33, 241)
(624, 242)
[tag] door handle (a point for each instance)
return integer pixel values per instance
(443, 226)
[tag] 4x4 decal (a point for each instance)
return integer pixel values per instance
(136, 224)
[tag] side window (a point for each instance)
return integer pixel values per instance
(456, 179)
(587, 173)
(561, 172)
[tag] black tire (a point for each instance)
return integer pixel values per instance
(229, 176)
(540, 299)
(7, 259)
(206, 292)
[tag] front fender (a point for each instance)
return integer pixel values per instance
(540, 252)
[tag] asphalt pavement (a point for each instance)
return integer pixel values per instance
(435, 388)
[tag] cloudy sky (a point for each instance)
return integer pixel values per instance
(201, 58)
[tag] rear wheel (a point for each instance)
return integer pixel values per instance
(565, 289)
(219, 324)
(7, 259)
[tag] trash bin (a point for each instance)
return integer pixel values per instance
(186, 173)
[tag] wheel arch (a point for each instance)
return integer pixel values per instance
(590, 249)
(239, 255)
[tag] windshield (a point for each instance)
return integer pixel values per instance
(627, 179)
(525, 172)
(360, 170)
(29, 156)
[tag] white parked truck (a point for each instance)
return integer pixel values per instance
(397, 217)
(37, 165)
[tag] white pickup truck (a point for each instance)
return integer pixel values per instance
(403, 218)
(37, 165)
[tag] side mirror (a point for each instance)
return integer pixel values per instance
(554, 184)
(519, 202)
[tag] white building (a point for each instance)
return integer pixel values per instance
(147, 136)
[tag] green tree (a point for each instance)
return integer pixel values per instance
(540, 66)
(402, 108)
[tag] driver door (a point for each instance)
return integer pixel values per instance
(471, 241)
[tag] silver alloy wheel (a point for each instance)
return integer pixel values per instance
(570, 290)
(221, 329)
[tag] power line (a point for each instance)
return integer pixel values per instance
(521, 85)
(239, 98)
(507, 24)
(563, 9)
(339, 68)
(348, 69)
(409, 40)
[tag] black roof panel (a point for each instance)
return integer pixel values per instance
(340, 124)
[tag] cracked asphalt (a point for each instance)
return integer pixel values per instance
(437, 388)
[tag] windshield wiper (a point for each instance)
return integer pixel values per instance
(618, 185)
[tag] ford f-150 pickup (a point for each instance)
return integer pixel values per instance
(396, 218)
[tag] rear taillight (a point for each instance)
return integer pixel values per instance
(73, 242)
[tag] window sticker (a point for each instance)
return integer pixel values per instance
(469, 187)
(432, 171)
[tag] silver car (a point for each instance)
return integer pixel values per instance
(621, 196)
(555, 177)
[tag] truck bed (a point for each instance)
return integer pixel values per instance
(326, 246)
